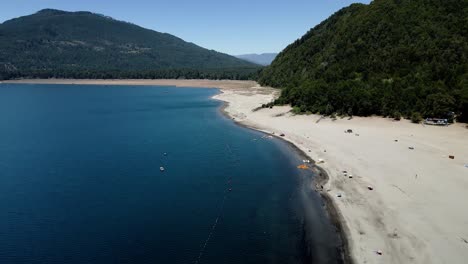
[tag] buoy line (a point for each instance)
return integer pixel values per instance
(213, 227)
(220, 213)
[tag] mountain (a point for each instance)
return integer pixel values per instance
(264, 59)
(54, 43)
(391, 58)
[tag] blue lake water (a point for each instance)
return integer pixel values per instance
(80, 181)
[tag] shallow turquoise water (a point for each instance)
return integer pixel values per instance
(80, 181)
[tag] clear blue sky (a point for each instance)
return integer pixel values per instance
(230, 26)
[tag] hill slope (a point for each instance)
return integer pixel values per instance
(264, 59)
(54, 42)
(387, 58)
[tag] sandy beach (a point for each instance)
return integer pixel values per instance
(401, 195)
(223, 84)
(415, 210)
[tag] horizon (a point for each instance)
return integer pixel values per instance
(259, 29)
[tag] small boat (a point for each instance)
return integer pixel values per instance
(161, 168)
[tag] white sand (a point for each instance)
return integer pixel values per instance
(417, 211)
(225, 84)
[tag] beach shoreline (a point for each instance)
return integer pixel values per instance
(198, 83)
(321, 178)
(383, 209)
(401, 199)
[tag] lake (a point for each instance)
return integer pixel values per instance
(80, 181)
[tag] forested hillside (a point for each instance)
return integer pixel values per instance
(390, 57)
(54, 43)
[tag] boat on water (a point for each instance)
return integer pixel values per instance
(161, 168)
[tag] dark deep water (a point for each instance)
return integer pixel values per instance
(80, 181)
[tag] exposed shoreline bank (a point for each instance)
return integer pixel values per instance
(220, 84)
(321, 178)
(382, 202)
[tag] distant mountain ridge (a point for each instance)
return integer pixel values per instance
(264, 59)
(390, 58)
(55, 43)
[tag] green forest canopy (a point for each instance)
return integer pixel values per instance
(388, 58)
(54, 43)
